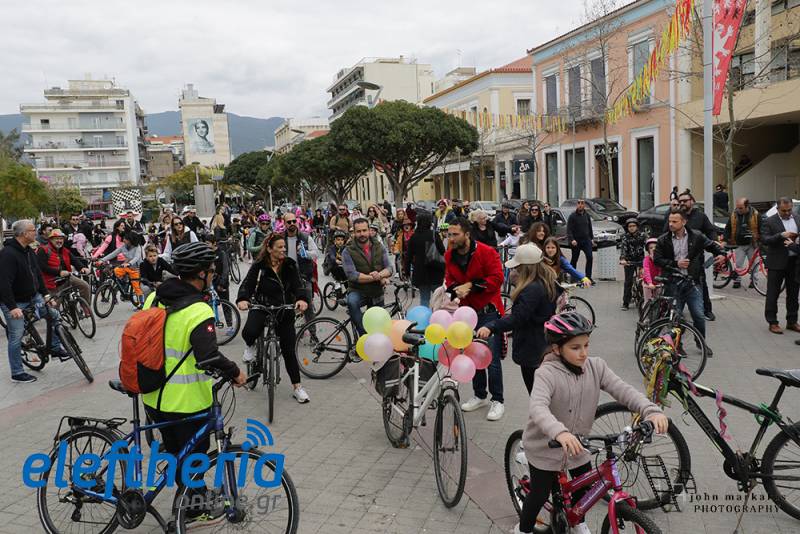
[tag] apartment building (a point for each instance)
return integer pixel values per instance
(765, 75)
(205, 129)
(292, 131)
(89, 134)
(492, 172)
(576, 77)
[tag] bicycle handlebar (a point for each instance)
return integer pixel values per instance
(645, 428)
(272, 309)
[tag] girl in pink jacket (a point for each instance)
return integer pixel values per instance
(112, 242)
(649, 269)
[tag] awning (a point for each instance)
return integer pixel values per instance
(452, 167)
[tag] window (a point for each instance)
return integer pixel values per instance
(551, 85)
(120, 140)
(551, 160)
(785, 63)
(742, 70)
(645, 168)
(45, 123)
(598, 85)
(575, 91)
(120, 104)
(49, 162)
(576, 172)
(749, 17)
(523, 106)
(640, 53)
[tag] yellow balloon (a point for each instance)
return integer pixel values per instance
(360, 347)
(434, 334)
(459, 334)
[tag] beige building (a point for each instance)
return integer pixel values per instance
(765, 72)
(162, 162)
(205, 129)
(292, 131)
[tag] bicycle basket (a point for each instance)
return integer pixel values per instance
(387, 378)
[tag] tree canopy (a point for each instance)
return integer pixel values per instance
(10, 145)
(63, 198)
(405, 141)
(244, 172)
(21, 193)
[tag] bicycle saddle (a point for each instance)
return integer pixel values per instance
(788, 377)
(116, 385)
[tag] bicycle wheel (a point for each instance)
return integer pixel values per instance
(272, 378)
(68, 509)
(631, 520)
(450, 449)
(67, 312)
(692, 347)
(723, 274)
(670, 448)
(236, 274)
(228, 322)
(85, 317)
(758, 277)
(323, 347)
(329, 296)
(396, 415)
(105, 299)
(582, 306)
(273, 509)
(74, 350)
(507, 302)
(317, 302)
(782, 461)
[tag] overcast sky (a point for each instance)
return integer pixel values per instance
(260, 58)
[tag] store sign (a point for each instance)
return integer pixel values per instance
(523, 165)
(600, 151)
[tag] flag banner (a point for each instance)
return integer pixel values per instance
(728, 15)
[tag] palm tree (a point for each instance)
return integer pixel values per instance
(10, 145)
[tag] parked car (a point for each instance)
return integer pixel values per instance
(491, 208)
(652, 220)
(605, 232)
(605, 207)
(425, 205)
(96, 215)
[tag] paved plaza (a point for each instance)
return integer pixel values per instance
(349, 478)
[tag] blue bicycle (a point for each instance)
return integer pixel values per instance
(227, 320)
(224, 490)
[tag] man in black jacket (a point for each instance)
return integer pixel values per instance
(505, 220)
(778, 234)
(580, 236)
(681, 249)
(21, 284)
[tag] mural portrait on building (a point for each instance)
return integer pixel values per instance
(200, 135)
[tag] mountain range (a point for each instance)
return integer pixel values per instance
(247, 133)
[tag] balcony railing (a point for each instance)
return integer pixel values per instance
(79, 165)
(74, 145)
(81, 127)
(70, 106)
(57, 91)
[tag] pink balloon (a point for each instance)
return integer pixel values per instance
(462, 368)
(480, 353)
(467, 315)
(441, 317)
(446, 353)
(378, 348)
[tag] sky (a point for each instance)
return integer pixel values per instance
(260, 58)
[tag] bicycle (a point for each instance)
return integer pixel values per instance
(106, 297)
(334, 295)
(96, 509)
(407, 396)
(726, 272)
(559, 513)
(227, 320)
(569, 302)
(37, 352)
(228, 246)
(777, 469)
(692, 347)
(325, 345)
(637, 293)
(267, 362)
(74, 309)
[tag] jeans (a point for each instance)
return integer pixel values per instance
(15, 330)
(691, 295)
(354, 303)
(586, 248)
(495, 370)
(425, 295)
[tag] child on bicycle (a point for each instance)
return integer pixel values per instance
(563, 403)
(631, 254)
(132, 253)
(649, 270)
(153, 267)
(333, 257)
(556, 261)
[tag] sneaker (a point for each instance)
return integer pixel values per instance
(473, 404)
(249, 354)
(496, 411)
(23, 378)
(300, 395)
(737, 284)
(710, 316)
(624, 307)
(709, 352)
(580, 528)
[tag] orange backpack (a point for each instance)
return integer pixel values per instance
(141, 366)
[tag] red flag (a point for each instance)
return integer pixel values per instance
(727, 21)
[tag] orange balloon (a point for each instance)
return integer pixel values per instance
(399, 328)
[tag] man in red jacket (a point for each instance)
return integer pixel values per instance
(473, 274)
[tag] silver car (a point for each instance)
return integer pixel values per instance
(604, 230)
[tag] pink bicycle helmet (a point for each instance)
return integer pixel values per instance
(264, 217)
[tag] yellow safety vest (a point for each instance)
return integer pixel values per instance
(189, 389)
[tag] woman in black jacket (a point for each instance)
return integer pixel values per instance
(426, 276)
(483, 229)
(274, 280)
(534, 303)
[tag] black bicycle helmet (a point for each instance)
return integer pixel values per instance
(339, 233)
(192, 258)
(632, 220)
(564, 326)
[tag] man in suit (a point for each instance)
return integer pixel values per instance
(779, 232)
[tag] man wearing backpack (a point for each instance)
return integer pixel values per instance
(189, 338)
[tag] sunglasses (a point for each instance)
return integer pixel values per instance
(291, 222)
(177, 225)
